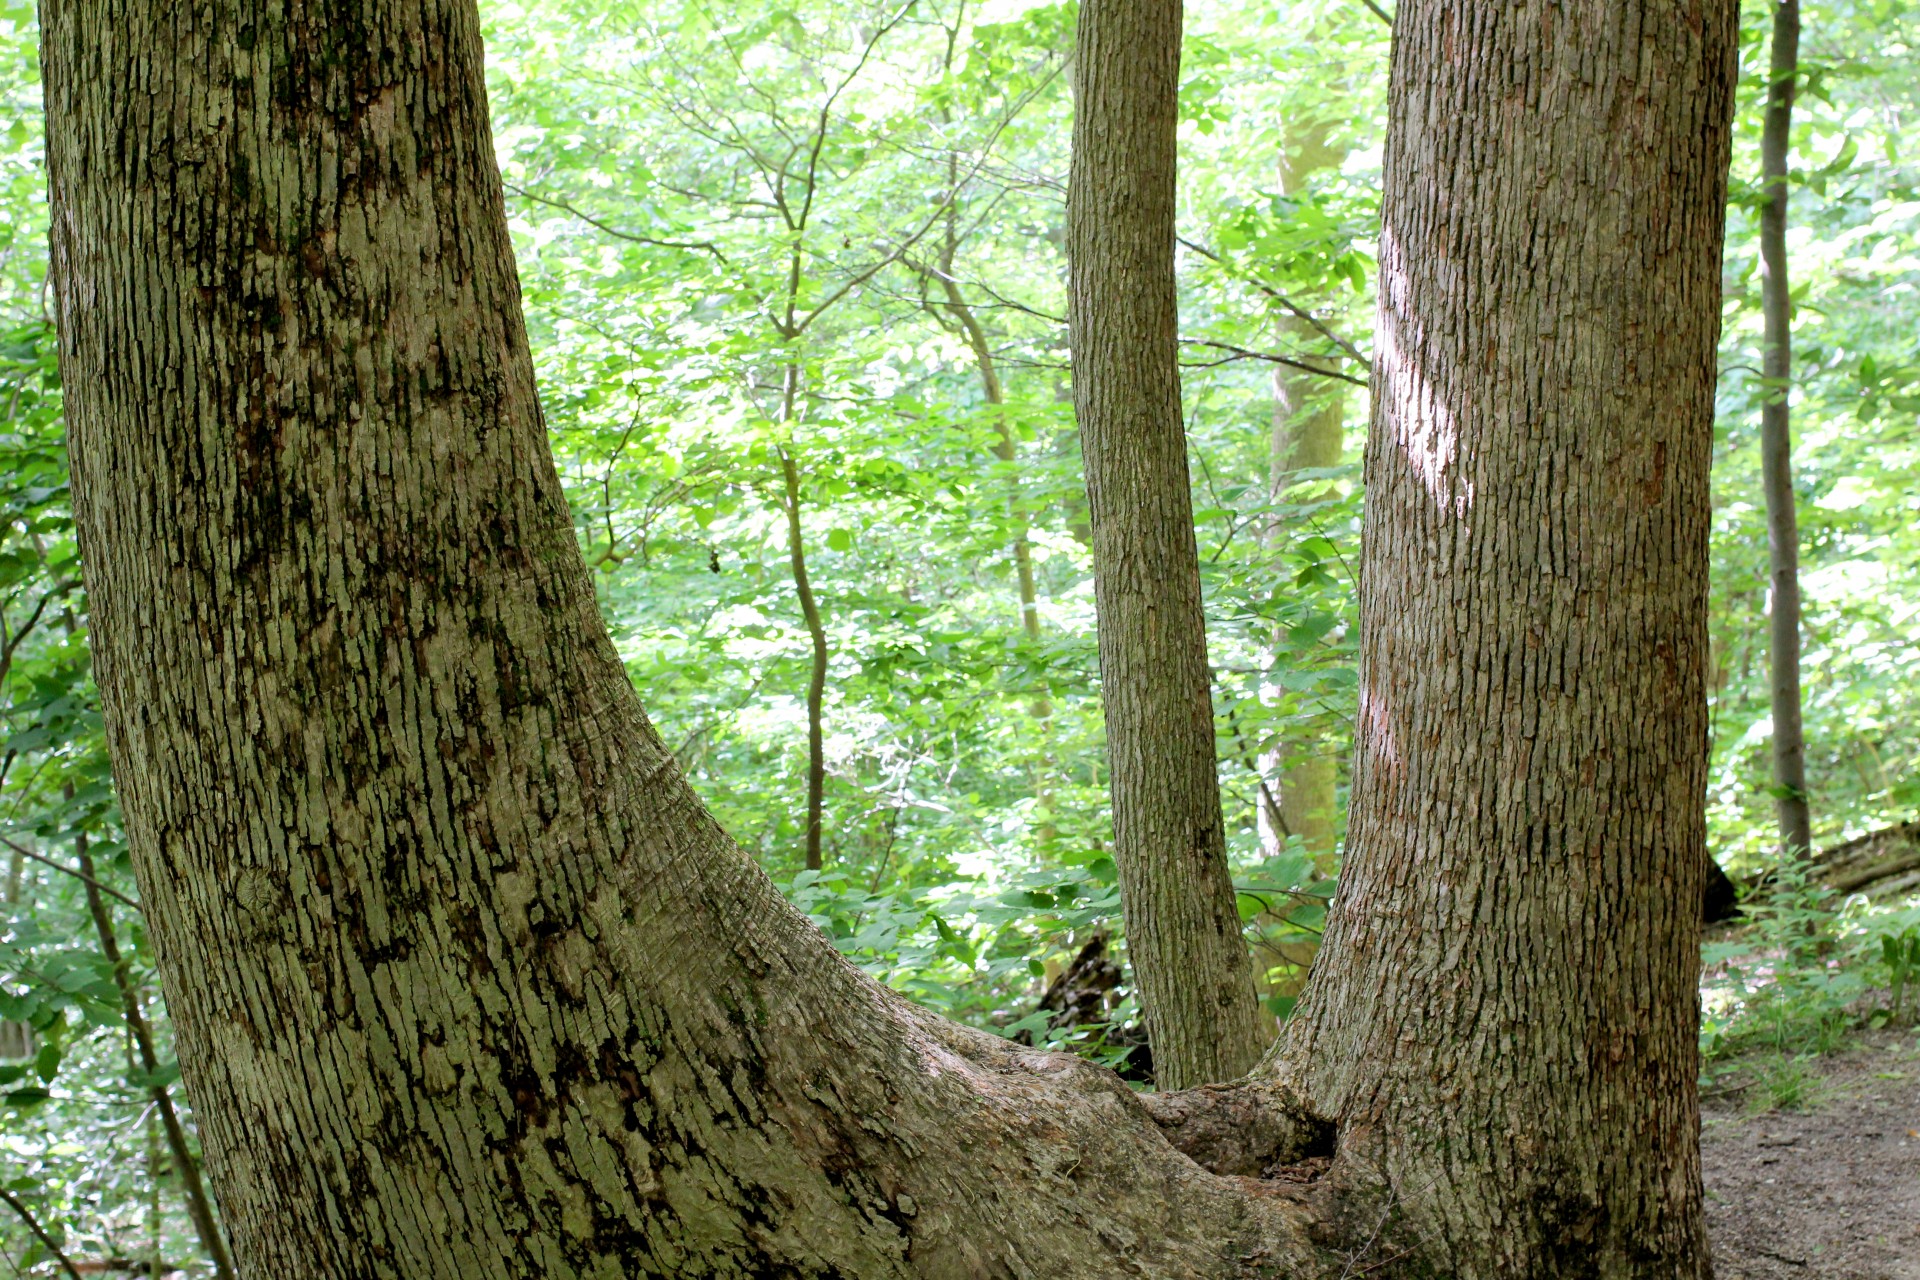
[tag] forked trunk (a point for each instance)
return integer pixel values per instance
(465, 981)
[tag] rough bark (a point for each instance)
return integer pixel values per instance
(1189, 960)
(1776, 442)
(465, 981)
(1503, 1015)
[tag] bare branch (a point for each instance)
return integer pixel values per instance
(690, 246)
(1241, 353)
(1293, 307)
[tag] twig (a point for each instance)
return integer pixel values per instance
(690, 246)
(1241, 353)
(33, 1225)
(72, 871)
(1298, 311)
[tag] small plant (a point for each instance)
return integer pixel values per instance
(1787, 983)
(1901, 954)
(1785, 1083)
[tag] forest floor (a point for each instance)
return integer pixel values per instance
(1830, 1188)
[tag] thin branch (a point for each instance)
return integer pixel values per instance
(186, 1168)
(33, 1225)
(77, 874)
(826, 108)
(1241, 353)
(1298, 311)
(689, 246)
(1378, 12)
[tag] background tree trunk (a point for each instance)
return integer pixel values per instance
(1309, 421)
(1189, 960)
(1503, 1016)
(1776, 442)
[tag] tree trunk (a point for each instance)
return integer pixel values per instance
(1503, 1016)
(1189, 960)
(1776, 442)
(816, 629)
(1309, 420)
(465, 981)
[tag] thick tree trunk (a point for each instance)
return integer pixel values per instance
(1503, 1015)
(1189, 960)
(465, 981)
(1776, 442)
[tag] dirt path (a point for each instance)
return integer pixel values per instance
(1829, 1192)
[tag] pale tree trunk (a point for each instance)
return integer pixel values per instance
(465, 981)
(1776, 442)
(1189, 960)
(1503, 1016)
(1309, 420)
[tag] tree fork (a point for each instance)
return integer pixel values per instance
(467, 983)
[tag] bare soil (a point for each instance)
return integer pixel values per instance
(1828, 1191)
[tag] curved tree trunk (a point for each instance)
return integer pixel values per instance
(1503, 1015)
(466, 983)
(1189, 960)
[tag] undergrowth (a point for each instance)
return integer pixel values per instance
(1810, 969)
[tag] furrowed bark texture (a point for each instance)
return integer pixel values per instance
(466, 983)
(1503, 1015)
(1776, 442)
(1189, 961)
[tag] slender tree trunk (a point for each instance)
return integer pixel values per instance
(1776, 440)
(816, 629)
(1003, 449)
(1528, 798)
(206, 1226)
(1309, 421)
(465, 981)
(1041, 707)
(1189, 960)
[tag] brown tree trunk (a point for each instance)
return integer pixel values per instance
(816, 629)
(1503, 1015)
(1776, 442)
(465, 981)
(1189, 960)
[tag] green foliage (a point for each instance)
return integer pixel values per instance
(1900, 952)
(1784, 984)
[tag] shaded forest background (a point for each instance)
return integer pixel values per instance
(795, 283)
